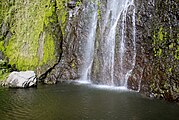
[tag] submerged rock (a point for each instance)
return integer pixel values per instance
(23, 79)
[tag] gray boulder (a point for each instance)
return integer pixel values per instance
(23, 79)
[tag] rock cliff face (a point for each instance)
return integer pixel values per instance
(157, 61)
(75, 37)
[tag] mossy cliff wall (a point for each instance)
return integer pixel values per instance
(31, 33)
(77, 28)
(157, 62)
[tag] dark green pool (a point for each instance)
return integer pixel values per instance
(69, 101)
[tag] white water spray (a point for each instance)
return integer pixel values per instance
(116, 15)
(89, 46)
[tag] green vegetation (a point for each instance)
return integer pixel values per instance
(26, 21)
(163, 41)
(99, 10)
(158, 40)
(4, 7)
(48, 50)
(78, 3)
(5, 69)
(62, 14)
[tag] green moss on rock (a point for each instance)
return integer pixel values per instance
(5, 69)
(62, 14)
(49, 50)
(26, 21)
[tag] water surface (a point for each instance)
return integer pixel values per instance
(69, 101)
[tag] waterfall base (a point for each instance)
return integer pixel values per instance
(107, 87)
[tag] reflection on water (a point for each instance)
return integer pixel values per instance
(68, 101)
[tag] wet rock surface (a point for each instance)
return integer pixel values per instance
(157, 63)
(69, 66)
(156, 71)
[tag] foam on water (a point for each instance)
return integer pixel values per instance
(107, 87)
(83, 82)
(104, 87)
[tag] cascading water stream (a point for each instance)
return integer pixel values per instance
(111, 57)
(126, 76)
(89, 46)
(117, 10)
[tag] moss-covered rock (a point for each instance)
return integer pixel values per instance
(31, 33)
(5, 69)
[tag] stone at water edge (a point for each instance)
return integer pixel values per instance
(23, 79)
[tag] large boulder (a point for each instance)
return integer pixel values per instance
(23, 79)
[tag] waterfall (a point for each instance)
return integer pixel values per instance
(89, 45)
(115, 9)
(122, 48)
(110, 59)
